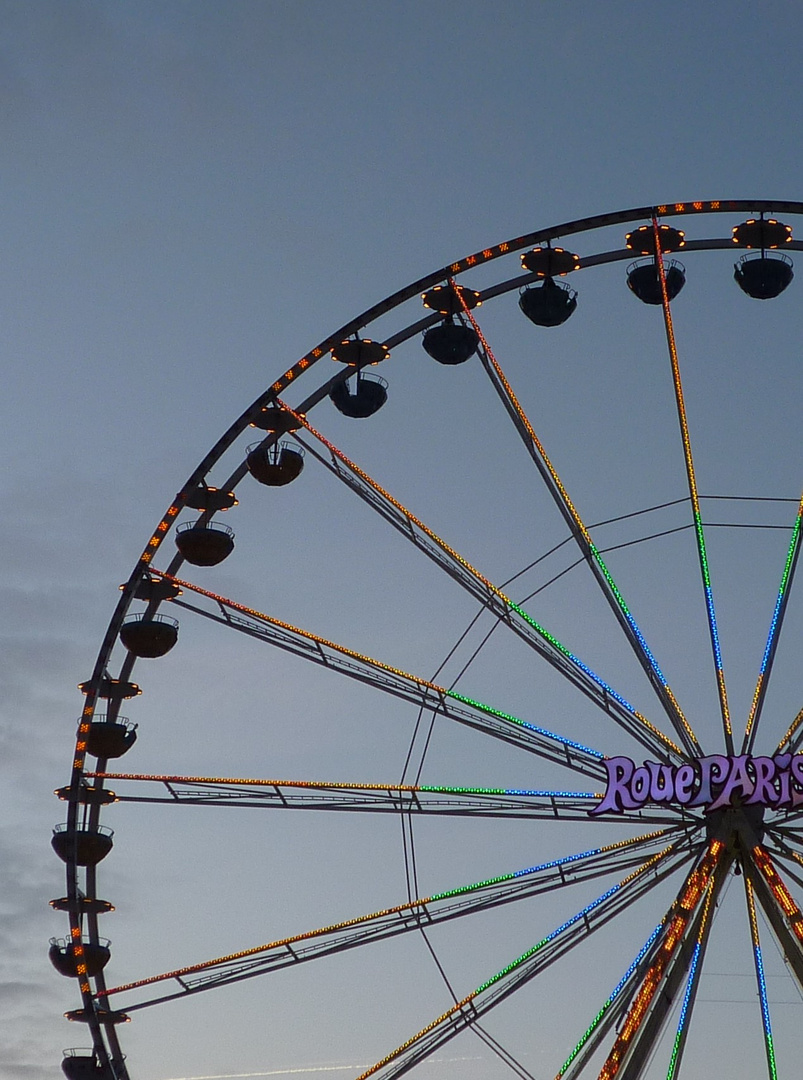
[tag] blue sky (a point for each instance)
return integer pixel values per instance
(194, 195)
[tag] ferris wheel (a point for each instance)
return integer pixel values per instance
(694, 801)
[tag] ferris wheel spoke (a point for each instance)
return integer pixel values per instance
(620, 998)
(489, 595)
(783, 851)
(793, 736)
(419, 799)
(783, 914)
(423, 912)
(693, 981)
(590, 552)
(774, 634)
(649, 1009)
(787, 825)
(525, 967)
(612, 1009)
(695, 499)
(760, 980)
(394, 681)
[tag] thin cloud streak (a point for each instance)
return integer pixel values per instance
(307, 1069)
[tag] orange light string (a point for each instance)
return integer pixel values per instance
(692, 482)
(410, 905)
(587, 545)
(696, 885)
(493, 589)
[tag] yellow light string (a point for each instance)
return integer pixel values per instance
(494, 589)
(421, 902)
(793, 727)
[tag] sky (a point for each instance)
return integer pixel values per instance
(195, 194)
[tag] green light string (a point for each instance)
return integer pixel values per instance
(584, 537)
(762, 985)
(774, 630)
(617, 990)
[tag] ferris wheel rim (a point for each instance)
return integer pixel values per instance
(103, 1029)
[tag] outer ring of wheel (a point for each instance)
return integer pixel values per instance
(105, 1042)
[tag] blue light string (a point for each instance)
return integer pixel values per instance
(531, 727)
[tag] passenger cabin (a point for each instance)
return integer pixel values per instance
(149, 635)
(83, 846)
(644, 281)
(204, 543)
(275, 465)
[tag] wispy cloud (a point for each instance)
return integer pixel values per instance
(304, 1069)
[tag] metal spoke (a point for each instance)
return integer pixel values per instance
(774, 633)
(419, 913)
(525, 967)
(793, 736)
(612, 1009)
(695, 499)
(762, 985)
(590, 552)
(789, 857)
(419, 691)
(649, 1009)
(783, 914)
(421, 799)
(692, 983)
(490, 595)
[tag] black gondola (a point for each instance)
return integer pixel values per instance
(451, 342)
(549, 304)
(362, 398)
(644, 282)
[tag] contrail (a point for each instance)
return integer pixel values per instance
(294, 1072)
(274, 1072)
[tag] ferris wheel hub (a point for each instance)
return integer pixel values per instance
(740, 828)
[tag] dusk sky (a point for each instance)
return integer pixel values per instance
(197, 193)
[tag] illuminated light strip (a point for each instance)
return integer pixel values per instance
(762, 985)
(495, 590)
(794, 855)
(398, 909)
(607, 849)
(587, 545)
(673, 1061)
(775, 625)
(695, 500)
(468, 1001)
(159, 533)
(790, 732)
(550, 937)
(324, 785)
(779, 890)
(611, 999)
(697, 884)
(691, 983)
(309, 636)
(514, 720)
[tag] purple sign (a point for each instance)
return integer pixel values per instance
(708, 782)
